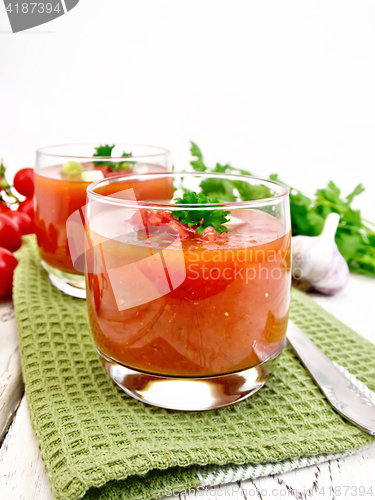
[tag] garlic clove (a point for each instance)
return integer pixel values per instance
(317, 260)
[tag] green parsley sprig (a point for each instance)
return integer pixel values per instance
(225, 189)
(106, 150)
(201, 219)
(355, 237)
(6, 194)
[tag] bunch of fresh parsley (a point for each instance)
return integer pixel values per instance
(201, 219)
(355, 237)
(225, 189)
(106, 150)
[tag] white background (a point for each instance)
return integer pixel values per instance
(271, 86)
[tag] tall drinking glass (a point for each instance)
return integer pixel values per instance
(188, 303)
(62, 175)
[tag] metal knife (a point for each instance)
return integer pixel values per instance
(343, 395)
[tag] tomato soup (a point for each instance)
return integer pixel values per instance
(58, 196)
(228, 313)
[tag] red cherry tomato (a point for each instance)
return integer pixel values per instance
(24, 182)
(23, 220)
(8, 263)
(3, 208)
(10, 233)
(27, 207)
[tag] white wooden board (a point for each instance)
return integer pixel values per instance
(11, 384)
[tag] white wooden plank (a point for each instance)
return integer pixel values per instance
(348, 477)
(326, 480)
(11, 383)
(354, 306)
(21, 468)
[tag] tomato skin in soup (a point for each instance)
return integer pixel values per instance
(58, 196)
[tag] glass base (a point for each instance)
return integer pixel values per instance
(71, 284)
(190, 394)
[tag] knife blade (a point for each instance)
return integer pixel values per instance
(343, 394)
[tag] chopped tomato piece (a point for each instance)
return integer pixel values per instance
(210, 234)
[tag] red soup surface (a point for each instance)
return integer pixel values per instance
(58, 196)
(229, 313)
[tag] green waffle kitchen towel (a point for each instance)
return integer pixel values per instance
(99, 443)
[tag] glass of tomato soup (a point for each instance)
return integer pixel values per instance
(188, 297)
(62, 175)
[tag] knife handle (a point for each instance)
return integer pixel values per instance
(343, 394)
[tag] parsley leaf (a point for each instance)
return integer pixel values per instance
(357, 190)
(252, 192)
(103, 150)
(221, 188)
(195, 151)
(6, 195)
(226, 189)
(2, 169)
(106, 150)
(197, 164)
(125, 165)
(354, 237)
(200, 219)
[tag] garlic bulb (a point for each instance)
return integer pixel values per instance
(317, 260)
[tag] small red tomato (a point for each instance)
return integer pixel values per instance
(3, 207)
(10, 233)
(8, 263)
(27, 207)
(24, 182)
(23, 220)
